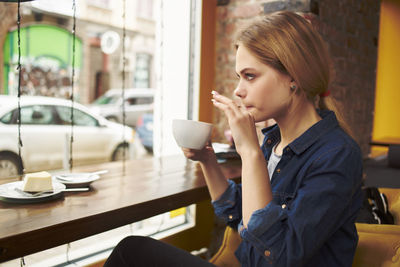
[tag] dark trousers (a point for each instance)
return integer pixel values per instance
(147, 252)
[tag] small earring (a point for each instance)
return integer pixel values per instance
(293, 87)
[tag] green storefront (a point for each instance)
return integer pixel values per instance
(46, 59)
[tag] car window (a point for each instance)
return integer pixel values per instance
(37, 114)
(7, 118)
(80, 118)
(139, 100)
(104, 100)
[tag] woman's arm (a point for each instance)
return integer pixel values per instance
(216, 182)
(215, 179)
(256, 188)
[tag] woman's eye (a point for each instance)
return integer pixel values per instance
(249, 76)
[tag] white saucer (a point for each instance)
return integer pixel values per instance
(9, 194)
(82, 179)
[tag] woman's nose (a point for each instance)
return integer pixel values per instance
(239, 91)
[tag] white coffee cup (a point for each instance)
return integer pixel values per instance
(191, 134)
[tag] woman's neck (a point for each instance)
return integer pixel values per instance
(295, 122)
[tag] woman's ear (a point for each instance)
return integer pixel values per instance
(293, 85)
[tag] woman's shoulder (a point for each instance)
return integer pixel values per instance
(339, 139)
(331, 133)
(324, 139)
(336, 148)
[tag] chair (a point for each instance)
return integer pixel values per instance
(225, 256)
(378, 245)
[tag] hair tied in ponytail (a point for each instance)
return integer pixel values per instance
(325, 94)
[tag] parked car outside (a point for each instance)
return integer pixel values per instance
(137, 102)
(45, 131)
(144, 130)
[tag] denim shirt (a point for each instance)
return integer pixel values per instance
(316, 189)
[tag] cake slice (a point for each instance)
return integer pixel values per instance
(37, 182)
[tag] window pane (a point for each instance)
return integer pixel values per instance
(7, 118)
(83, 119)
(39, 115)
(98, 72)
(80, 118)
(142, 71)
(144, 100)
(106, 100)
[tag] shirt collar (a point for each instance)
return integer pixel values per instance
(304, 141)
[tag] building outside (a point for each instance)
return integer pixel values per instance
(47, 47)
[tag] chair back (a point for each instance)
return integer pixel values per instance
(225, 256)
(378, 246)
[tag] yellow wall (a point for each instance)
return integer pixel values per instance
(387, 99)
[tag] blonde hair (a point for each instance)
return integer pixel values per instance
(288, 43)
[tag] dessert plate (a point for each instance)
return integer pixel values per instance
(81, 179)
(10, 195)
(224, 151)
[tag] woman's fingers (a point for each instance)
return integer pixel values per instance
(233, 110)
(224, 100)
(191, 154)
(227, 105)
(199, 155)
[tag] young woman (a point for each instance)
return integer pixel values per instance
(301, 192)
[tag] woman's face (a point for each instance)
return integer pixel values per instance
(264, 91)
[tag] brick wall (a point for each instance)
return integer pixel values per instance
(350, 28)
(229, 17)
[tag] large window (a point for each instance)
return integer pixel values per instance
(160, 54)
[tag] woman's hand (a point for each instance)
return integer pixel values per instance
(241, 123)
(202, 155)
(215, 179)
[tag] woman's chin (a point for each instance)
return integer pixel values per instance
(258, 118)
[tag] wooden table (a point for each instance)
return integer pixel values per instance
(148, 187)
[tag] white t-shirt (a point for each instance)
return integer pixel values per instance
(272, 162)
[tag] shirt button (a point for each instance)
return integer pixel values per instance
(267, 253)
(278, 170)
(287, 149)
(230, 217)
(284, 206)
(269, 141)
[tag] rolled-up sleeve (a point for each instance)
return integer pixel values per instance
(265, 227)
(229, 205)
